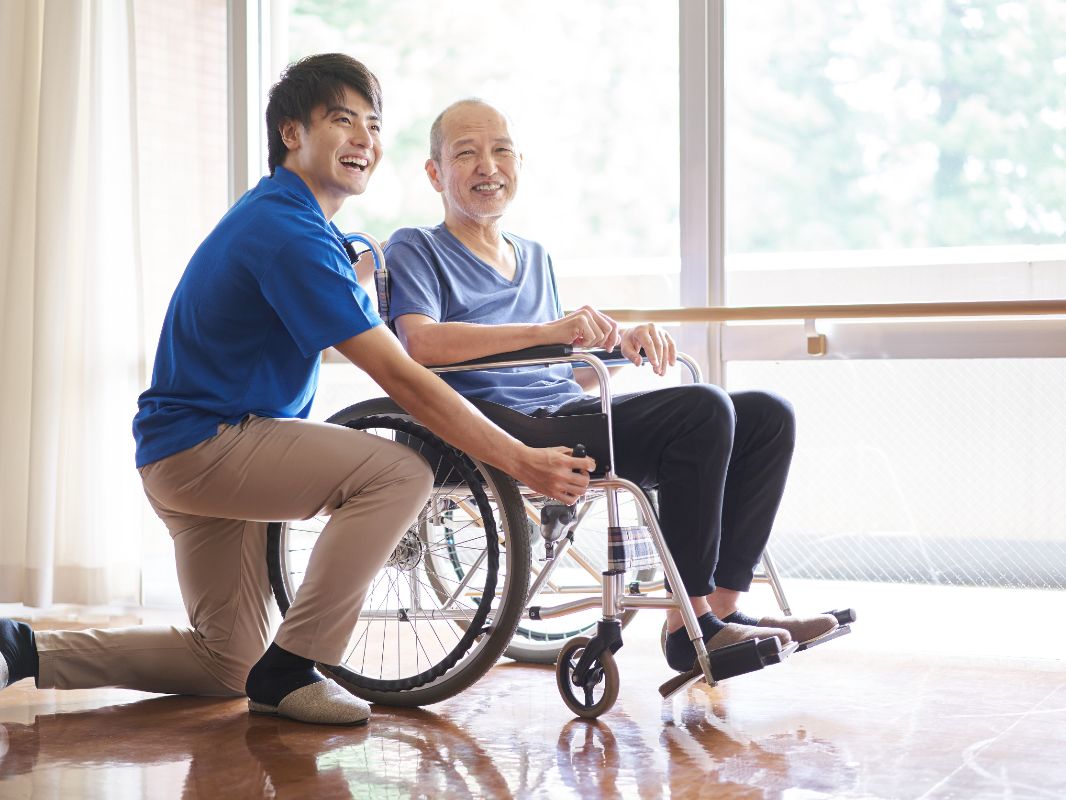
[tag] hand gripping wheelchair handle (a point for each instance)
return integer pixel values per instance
(556, 519)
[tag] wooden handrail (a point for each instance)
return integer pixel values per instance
(990, 308)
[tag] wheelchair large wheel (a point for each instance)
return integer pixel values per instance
(446, 604)
(578, 574)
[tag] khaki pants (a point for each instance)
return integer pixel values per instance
(215, 499)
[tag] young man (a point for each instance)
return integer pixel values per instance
(223, 442)
(466, 289)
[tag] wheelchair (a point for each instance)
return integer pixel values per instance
(492, 568)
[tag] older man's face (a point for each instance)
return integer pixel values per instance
(479, 165)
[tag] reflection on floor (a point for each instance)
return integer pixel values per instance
(857, 718)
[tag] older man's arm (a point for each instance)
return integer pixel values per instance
(430, 342)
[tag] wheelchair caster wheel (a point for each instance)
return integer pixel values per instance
(600, 689)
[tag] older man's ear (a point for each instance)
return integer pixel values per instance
(433, 173)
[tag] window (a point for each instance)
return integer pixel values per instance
(182, 166)
(895, 151)
(904, 151)
(592, 88)
(593, 91)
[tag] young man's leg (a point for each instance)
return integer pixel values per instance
(262, 469)
(222, 575)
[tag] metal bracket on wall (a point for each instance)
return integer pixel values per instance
(816, 342)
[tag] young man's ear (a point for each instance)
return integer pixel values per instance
(290, 133)
(433, 172)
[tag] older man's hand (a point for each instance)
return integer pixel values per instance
(658, 346)
(585, 327)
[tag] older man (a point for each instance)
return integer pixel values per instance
(466, 288)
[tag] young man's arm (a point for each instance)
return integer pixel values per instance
(549, 470)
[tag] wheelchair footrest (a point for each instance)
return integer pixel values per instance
(728, 662)
(844, 617)
(840, 630)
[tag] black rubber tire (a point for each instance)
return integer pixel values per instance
(568, 658)
(477, 652)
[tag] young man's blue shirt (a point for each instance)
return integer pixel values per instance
(434, 274)
(268, 290)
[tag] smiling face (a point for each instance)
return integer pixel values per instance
(337, 153)
(479, 166)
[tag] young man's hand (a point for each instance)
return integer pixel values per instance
(553, 471)
(585, 327)
(658, 346)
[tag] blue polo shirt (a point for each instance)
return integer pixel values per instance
(266, 292)
(434, 274)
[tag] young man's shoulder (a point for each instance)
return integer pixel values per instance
(271, 205)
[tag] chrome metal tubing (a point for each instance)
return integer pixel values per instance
(628, 601)
(561, 610)
(466, 580)
(775, 583)
(549, 567)
(424, 614)
(612, 591)
(693, 367)
(681, 601)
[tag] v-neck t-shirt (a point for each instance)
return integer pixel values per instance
(433, 274)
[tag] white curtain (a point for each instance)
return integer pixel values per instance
(71, 344)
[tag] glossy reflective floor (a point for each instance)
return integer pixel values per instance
(895, 710)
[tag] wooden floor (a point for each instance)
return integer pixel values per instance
(876, 714)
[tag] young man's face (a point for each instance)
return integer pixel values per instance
(479, 166)
(337, 153)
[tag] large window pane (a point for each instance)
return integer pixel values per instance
(182, 166)
(593, 89)
(943, 472)
(862, 136)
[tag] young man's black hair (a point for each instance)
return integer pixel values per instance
(311, 82)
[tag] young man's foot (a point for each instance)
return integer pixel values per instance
(18, 652)
(288, 685)
(681, 654)
(801, 629)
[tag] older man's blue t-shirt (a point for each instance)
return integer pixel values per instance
(268, 290)
(434, 274)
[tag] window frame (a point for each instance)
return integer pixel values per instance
(256, 54)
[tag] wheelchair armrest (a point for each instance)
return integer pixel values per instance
(541, 351)
(529, 354)
(555, 353)
(614, 356)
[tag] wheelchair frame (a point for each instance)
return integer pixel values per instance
(583, 664)
(615, 599)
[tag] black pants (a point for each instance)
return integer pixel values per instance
(719, 461)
